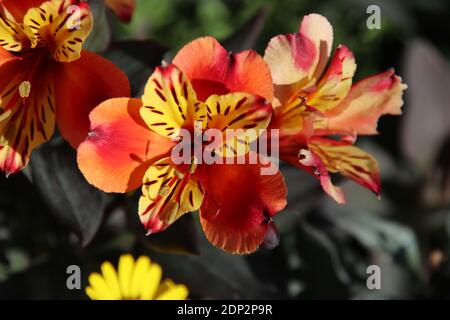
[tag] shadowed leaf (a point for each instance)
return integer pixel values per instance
(73, 201)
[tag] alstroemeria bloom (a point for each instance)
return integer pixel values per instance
(318, 110)
(131, 142)
(46, 78)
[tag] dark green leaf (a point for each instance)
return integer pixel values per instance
(73, 201)
(137, 59)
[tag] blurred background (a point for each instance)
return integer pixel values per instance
(51, 218)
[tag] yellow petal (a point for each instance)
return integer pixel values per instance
(100, 288)
(243, 114)
(336, 82)
(140, 269)
(91, 293)
(173, 291)
(351, 162)
(126, 264)
(14, 36)
(169, 101)
(151, 281)
(62, 26)
(111, 279)
(167, 194)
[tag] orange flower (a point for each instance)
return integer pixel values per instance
(318, 110)
(46, 77)
(131, 141)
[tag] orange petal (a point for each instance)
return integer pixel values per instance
(351, 162)
(310, 159)
(18, 9)
(300, 57)
(80, 86)
(123, 9)
(366, 102)
(62, 26)
(335, 83)
(239, 204)
(27, 116)
(212, 70)
(120, 147)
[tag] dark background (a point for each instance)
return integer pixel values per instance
(50, 218)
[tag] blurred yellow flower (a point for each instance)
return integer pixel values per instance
(134, 280)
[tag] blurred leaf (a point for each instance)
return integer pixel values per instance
(427, 114)
(304, 193)
(381, 236)
(215, 274)
(137, 59)
(149, 52)
(323, 273)
(100, 37)
(215, 17)
(247, 36)
(179, 238)
(73, 201)
(436, 191)
(363, 239)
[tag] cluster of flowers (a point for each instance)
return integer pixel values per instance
(125, 143)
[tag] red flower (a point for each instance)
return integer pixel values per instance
(46, 78)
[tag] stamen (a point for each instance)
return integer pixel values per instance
(179, 174)
(164, 190)
(193, 165)
(25, 89)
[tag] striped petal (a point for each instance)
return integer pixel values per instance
(168, 192)
(213, 70)
(244, 115)
(335, 84)
(310, 159)
(27, 110)
(366, 102)
(169, 101)
(18, 8)
(62, 26)
(351, 162)
(14, 36)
